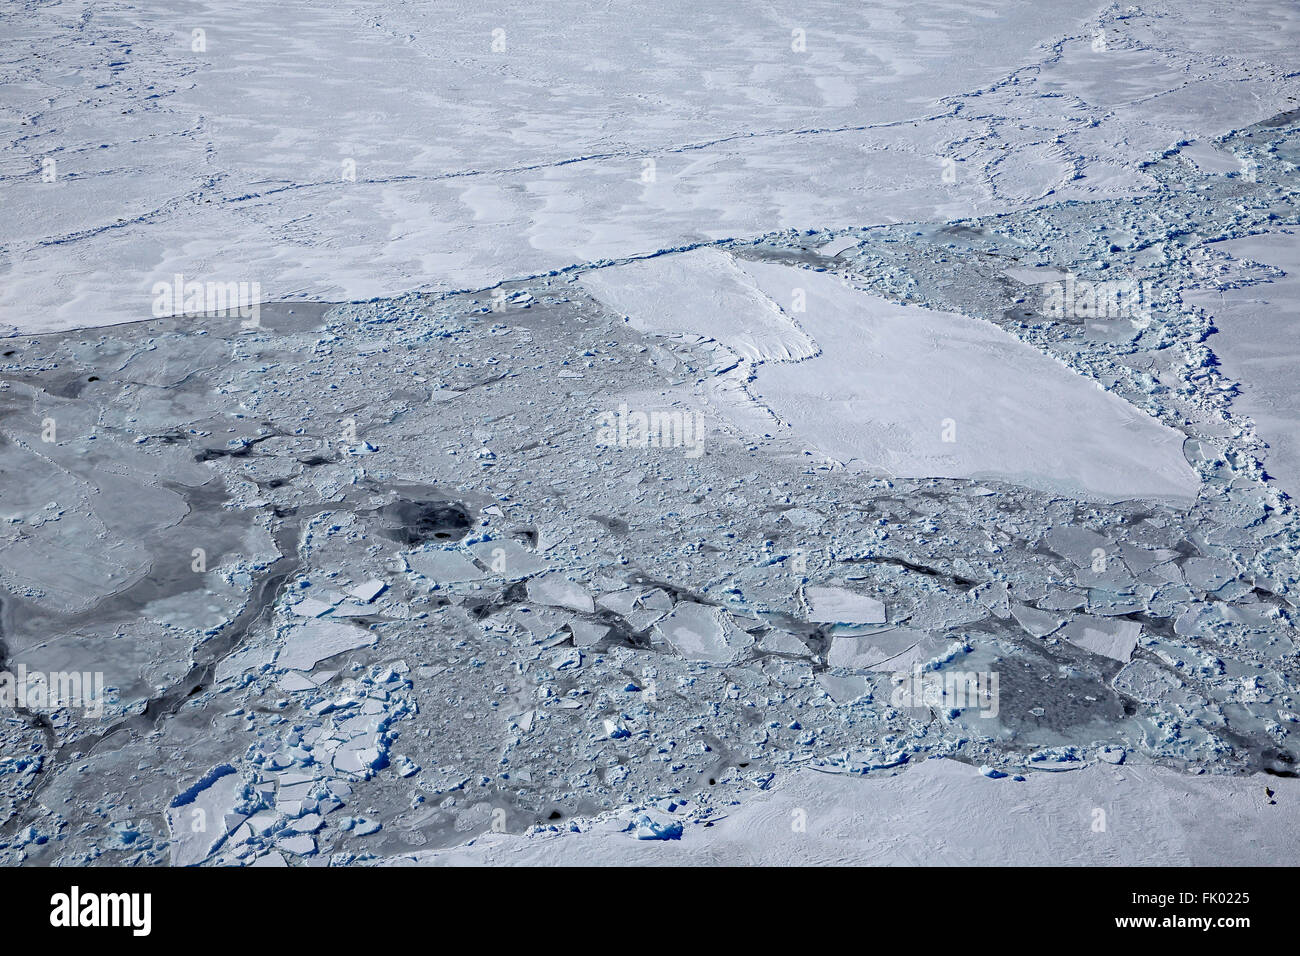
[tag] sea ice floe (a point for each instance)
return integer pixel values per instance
(702, 633)
(1034, 275)
(309, 644)
(197, 818)
(555, 590)
(1080, 546)
(367, 591)
(843, 688)
(507, 558)
(705, 291)
(444, 567)
(895, 650)
(833, 605)
(1108, 636)
(1036, 622)
(1142, 680)
(585, 633)
(901, 390)
(310, 607)
(300, 844)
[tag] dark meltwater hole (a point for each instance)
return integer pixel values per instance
(415, 522)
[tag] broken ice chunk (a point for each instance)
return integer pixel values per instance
(702, 633)
(841, 606)
(368, 591)
(782, 642)
(1113, 755)
(310, 607)
(585, 634)
(1081, 547)
(1037, 623)
(237, 663)
(1141, 560)
(993, 595)
(295, 681)
(312, 643)
(352, 609)
(444, 567)
(302, 844)
(1059, 600)
(1208, 574)
(508, 558)
(843, 689)
(1151, 684)
(662, 294)
(642, 618)
(542, 622)
(1108, 636)
(620, 602)
(837, 246)
(897, 649)
(656, 599)
(199, 818)
(657, 827)
(406, 767)
(309, 823)
(568, 658)
(803, 517)
(357, 758)
(1034, 275)
(554, 590)
(1055, 760)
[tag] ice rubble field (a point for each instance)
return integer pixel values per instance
(371, 583)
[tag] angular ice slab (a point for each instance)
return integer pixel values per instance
(903, 390)
(1108, 636)
(312, 643)
(703, 633)
(199, 819)
(840, 606)
(554, 590)
(705, 291)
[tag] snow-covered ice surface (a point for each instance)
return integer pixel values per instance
(331, 152)
(728, 437)
(882, 386)
(1254, 297)
(1099, 816)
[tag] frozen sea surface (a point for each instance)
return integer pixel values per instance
(902, 390)
(668, 420)
(1256, 313)
(336, 153)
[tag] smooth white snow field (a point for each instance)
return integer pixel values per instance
(944, 813)
(344, 152)
(1257, 330)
